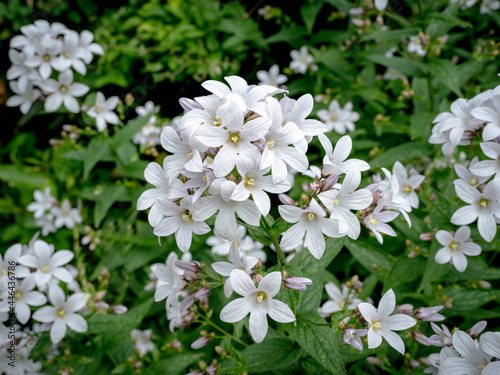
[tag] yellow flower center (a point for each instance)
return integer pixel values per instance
(17, 295)
(373, 221)
(481, 367)
(473, 181)
(483, 203)
(46, 57)
(407, 189)
(189, 155)
(336, 202)
(235, 137)
(270, 144)
(63, 88)
(60, 313)
(217, 121)
(44, 269)
(376, 325)
(342, 304)
(261, 296)
(66, 55)
(187, 216)
(204, 178)
(98, 110)
(453, 246)
(311, 215)
(333, 118)
(65, 213)
(5, 272)
(237, 243)
(249, 181)
(351, 336)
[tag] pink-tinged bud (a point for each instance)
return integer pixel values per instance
(329, 182)
(85, 108)
(467, 137)
(432, 197)
(187, 266)
(319, 98)
(484, 284)
(314, 68)
(429, 314)
(258, 278)
(176, 344)
(150, 286)
(190, 276)
(119, 309)
(285, 199)
(358, 22)
(426, 236)
(204, 292)
(357, 285)
(374, 361)
(412, 254)
(195, 372)
(186, 303)
(422, 339)
(406, 309)
(138, 364)
(477, 328)
(200, 343)
(314, 185)
(189, 104)
(101, 305)
(99, 295)
(212, 369)
(357, 11)
(373, 189)
(297, 283)
(414, 364)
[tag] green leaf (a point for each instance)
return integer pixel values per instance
(464, 301)
(95, 151)
(403, 271)
(448, 19)
(20, 175)
(289, 35)
(476, 270)
(110, 194)
(369, 257)
(433, 271)
(447, 73)
(175, 365)
(271, 354)
(411, 68)
(420, 124)
(309, 12)
(403, 153)
(318, 341)
(126, 133)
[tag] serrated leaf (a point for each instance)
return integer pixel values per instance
(403, 271)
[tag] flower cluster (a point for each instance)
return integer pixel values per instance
(39, 266)
(149, 135)
(49, 215)
(42, 49)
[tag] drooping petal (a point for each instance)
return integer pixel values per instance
(235, 310)
(280, 312)
(258, 324)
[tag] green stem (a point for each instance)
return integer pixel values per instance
(277, 247)
(431, 92)
(80, 264)
(227, 334)
(252, 228)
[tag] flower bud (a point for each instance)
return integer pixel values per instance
(329, 182)
(219, 350)
(358, 22)
(119, 309)
(421, 338)
(429, 314)
(426, 236)
(200, 343)
(258, 278)
(484, 284)
(285, 199)
(186, 303)
(477, 328)
(357, 11)
(432, 197)
(297, 283)
(212, 369)
(187, 266)
(204, 292)
(190, 276)
(374, 361)
(406, 309)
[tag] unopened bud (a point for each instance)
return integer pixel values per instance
(189, 104)
(484, 284)
(374, 361)
(297, 283)
(341, 326)
(406, 309)
(426, 236)
(200, 343)
(186, 303)
(432, 197)
(285, 199)
(187, 266)
(190, 276)
(204, 292)
(258, 278)
(119, 309)
(357, 11)
(329, 182)
(219, 350)
(476, 329)
(314, 185)
(358, 22)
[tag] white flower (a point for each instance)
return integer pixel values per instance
(271, 78)
(468, 177)
(339, 119)
(178, 219)
(339, 300)
(376, 222)
(62, 313)
(381, 4)
(442, 336)
(340, 201)
(149, 135)
(334, 162)
(490, 343)
(71, 54)
(66, 216)
(43, 201)
(12, 256)
(23, 365)
(473, 359)
(19, 68)
(245, 243)
(381, 323)
(353, 336)
(46, 222)
(312, 223)
(102, 111)
(145, 109)
(25, 96)
(415, 45)
(142, 341)
(26, 297)
(258, 301)
(45, 58)
(407, 185)
(220, 200)
(300, 60)
(488, 5)
(456, 247)
(487, 168)
(48, 263)
(64, 92)
(170, 281)
(237, 263)
(87, 48)
(482, 206)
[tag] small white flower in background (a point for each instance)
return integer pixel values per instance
(19, 68)
(300, 60)
(258, 301)
(64, 92)
(464, 3)
(473, 359)
(46, 222)
(43, 201)
(339, 300)
(169, 277)
(353, 337)
(468, 177)
(178, 219)
(381, 323)
(482, 206)
(312, 223)
(48, 263)
(62, 313)
(25, 94)
(335, 161)
(407, 185)
(149, 135)
(45, 57)
(12, 255)
(271, 78)
(376, 222)
(245, 243)
(102, 111)
(488, 5)
(142, 341)
(381, 4)
(415, 45)
(147, 108)
(456, 247)
(87, 48)
(442, 336)
(66, 216)
(339, 119)
(71, 54)
(237, 262)
(24, 365)
(26, 297)
(488, 168)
